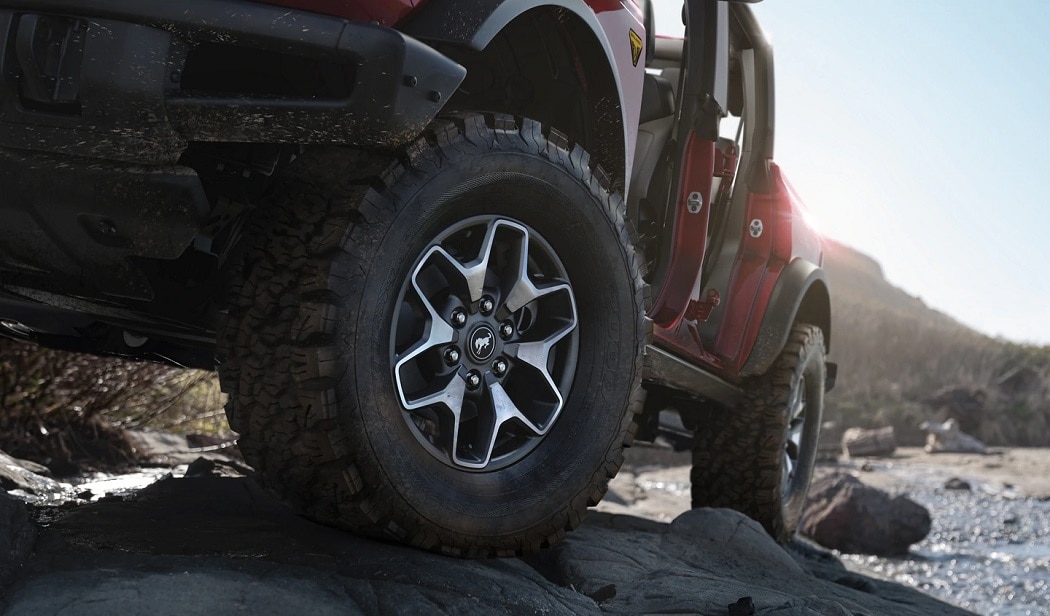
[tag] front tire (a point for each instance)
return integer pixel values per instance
(758, 458)
(368, 373)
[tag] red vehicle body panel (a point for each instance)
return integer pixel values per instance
(389, 12)
(785, 236)
(698, 167)
(384, 12)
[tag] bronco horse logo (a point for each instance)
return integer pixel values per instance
(482, 342)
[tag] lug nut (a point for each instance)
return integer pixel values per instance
(452, 356)
(506, 330)
(459, 318)
(473, 379)
(487, 305)
(499, 367)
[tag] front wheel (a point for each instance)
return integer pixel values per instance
(758, 458)
(448, 354)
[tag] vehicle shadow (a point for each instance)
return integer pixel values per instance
(222, 544)
(215, 545)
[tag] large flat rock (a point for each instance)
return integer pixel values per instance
(16, 535)
(214, 545)
(709, 558)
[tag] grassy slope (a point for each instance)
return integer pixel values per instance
(895, 353)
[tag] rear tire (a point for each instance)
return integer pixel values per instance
(758, 458)
(337, 347)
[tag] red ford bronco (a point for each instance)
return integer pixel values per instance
(449, 257)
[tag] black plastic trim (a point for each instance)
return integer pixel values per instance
(271, 27)
(399, 86)
(759, 178)
(791, 288)
(666, 370)
(79, 220)
(474, 24)
(86, 327)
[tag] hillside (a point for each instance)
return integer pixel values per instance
(901, 363)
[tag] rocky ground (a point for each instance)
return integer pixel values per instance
(1023, 472)
(207, 540)
(655, 481)
(989, 546)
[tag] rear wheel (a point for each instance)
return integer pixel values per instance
(758, 458)
(448, 353)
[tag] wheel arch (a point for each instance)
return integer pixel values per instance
(800, 295)
(492, 40)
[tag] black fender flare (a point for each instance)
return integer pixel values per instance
(475, 23)
(801, 293)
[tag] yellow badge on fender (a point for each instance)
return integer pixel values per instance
(636, 46)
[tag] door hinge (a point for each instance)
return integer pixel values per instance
(700, 310)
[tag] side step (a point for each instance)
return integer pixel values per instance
(663, 368)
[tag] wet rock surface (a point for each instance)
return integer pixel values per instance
(17, 535)
(209, 543)
(30, 477)
(988, 549)
(215, 545)
(845, 514)
(709, 559)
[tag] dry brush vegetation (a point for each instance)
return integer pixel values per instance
(69, 410)
(902, 363)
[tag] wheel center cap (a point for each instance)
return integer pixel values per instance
(481, 343)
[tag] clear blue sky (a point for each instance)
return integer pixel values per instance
(918, 131)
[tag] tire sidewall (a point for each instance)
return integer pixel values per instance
(570, 215)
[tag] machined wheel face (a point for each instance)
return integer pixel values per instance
(484, 343)
(796, 428)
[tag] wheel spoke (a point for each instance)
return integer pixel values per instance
(796, 424)
(533, 293)
(795, 437)
(450, 396)
(536, 354)
(506, 410)
(497, 391)
(474, 273)
(503, 410)
(798, 401)
(523, 290)
(563, 323)
(436, 332)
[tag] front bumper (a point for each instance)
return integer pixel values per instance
(111, 79)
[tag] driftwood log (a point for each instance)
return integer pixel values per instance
(858, 442)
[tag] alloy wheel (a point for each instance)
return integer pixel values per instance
(484, 343)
